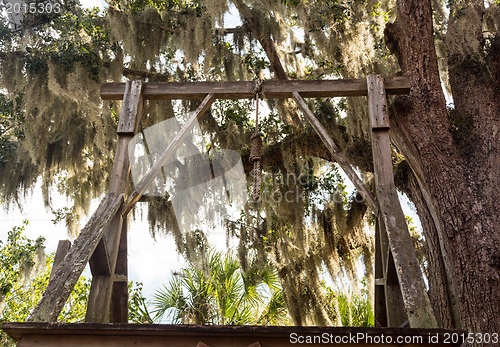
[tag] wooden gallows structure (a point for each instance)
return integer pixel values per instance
(400, 291)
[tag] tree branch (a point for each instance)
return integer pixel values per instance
(157, 77)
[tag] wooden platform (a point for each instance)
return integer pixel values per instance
(124, 335)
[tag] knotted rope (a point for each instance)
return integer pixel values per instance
(256, 144)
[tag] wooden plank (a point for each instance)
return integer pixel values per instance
(121, 166)
(118, 184)
(108, 301)
(124, 335)
(379, 300)
(149, 177)
(99, 299)
(66, 275)
(188, 341)
(62, 249)
(131, 108)
(119, 302)
(416, 301)
(98, 305)
(395, 306)
(378, 110)
(119, 297)
(244, 89)
(336, 153)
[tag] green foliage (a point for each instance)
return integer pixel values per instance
(24, 275)
(137, 6)
(290, 2)
(219, 292)
(255, 64)
(350, 309)
(327, 14)
(24, 295)
(235, 112)
(378, 11)
(137, 307)
(79, 36)
(66, 214)
(17, 258)
(23, 278)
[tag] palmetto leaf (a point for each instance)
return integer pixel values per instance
(217, 291)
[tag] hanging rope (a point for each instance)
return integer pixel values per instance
(256, 144)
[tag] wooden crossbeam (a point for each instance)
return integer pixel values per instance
(392, 220)
(67, 274)
(149, 177)
(336, 153)
(244, 89)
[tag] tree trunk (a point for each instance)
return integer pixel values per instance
(454, 155)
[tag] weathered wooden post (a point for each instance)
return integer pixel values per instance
(108, 300)
(402, 277)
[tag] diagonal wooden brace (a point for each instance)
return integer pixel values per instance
(336, 153)
(69, 271)
(149, 177)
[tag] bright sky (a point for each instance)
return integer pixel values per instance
(150, 261)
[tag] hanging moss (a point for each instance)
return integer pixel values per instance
(70, 131)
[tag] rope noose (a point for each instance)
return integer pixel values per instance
(256, 144)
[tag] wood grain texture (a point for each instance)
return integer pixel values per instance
(142, 186)
(62, 249)
(99, 299)
(108, 300)
(131, 108)
(377, 105)
(244, 89)
(379, 299)
(125, 335)
(119, 302)
(336, 153)
(414, 293)
(68, 273)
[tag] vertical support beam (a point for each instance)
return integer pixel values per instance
(119, 296)
(379, 304)
(416, 301)
(394, 309)
(108, 300)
